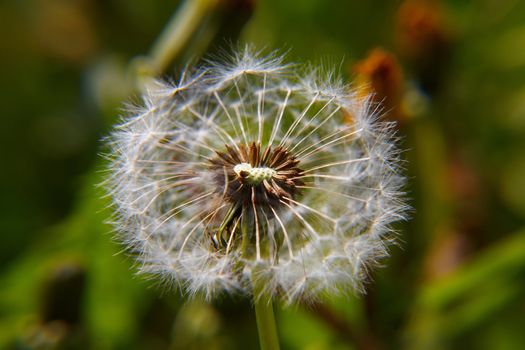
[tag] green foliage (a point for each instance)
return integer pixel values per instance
(456, 281)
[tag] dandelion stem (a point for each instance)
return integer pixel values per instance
(268, 338)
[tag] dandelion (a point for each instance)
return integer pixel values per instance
(257, 177)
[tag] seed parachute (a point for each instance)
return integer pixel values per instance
(250, 170)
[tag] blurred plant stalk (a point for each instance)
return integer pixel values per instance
(191, 32)
(175, 36)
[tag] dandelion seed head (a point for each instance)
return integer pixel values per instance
(249, 170)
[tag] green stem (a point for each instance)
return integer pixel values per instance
(178, 31)
(266, 322)
(174, 38)
(262, 301)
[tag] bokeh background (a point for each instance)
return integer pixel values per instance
(452, 73)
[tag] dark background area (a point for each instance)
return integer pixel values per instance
(452, 73)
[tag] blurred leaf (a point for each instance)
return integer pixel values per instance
(299, 329)
(470, 297)
(114, 297)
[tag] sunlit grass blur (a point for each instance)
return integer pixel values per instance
(451, 73)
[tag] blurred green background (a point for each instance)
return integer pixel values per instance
(452, 73)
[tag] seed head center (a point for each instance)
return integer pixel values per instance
(253, 175)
